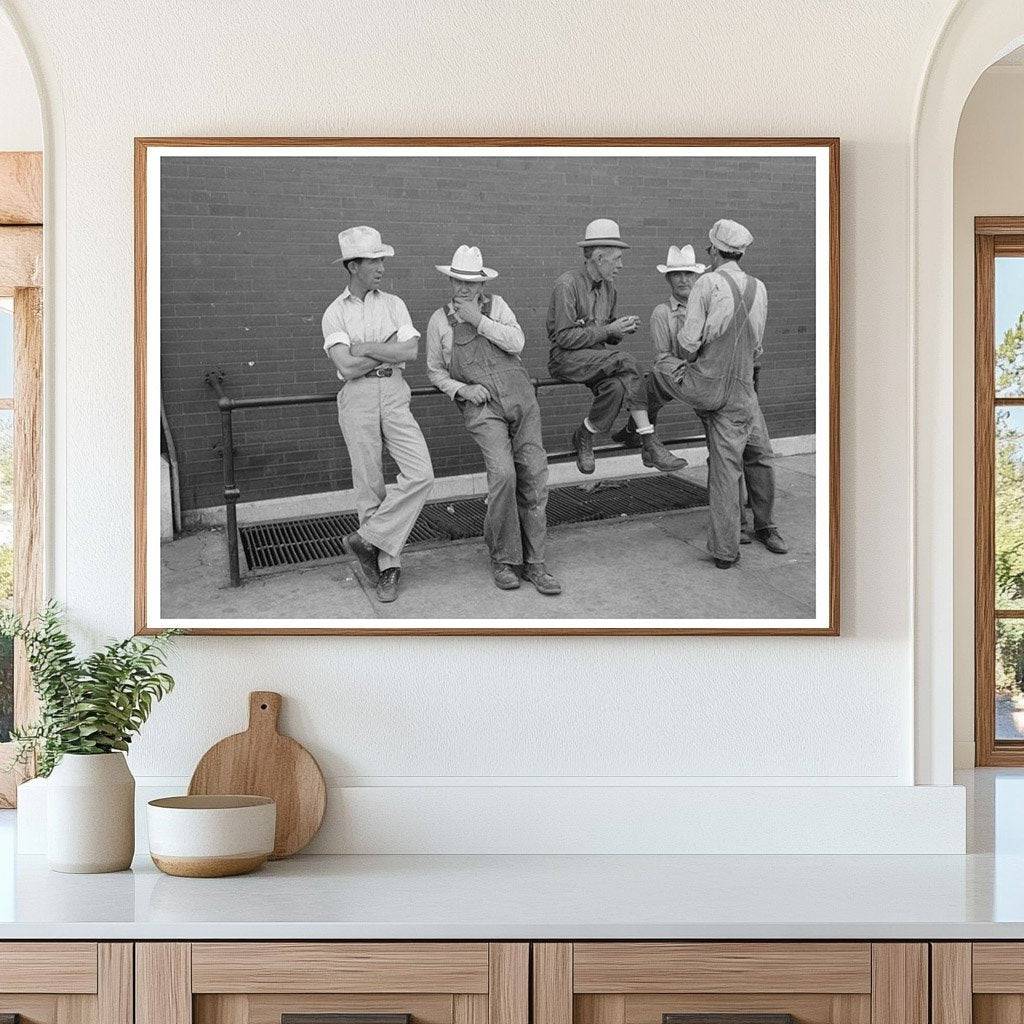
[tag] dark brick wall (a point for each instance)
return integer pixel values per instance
(246, 274)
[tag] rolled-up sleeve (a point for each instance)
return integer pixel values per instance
(437, 369)
(501, 327)
(567, 329)
(665, 357)
(404, 330)
(333, 327)
(691, 336)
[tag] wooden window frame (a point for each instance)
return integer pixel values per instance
(993, 236)
(21, 277)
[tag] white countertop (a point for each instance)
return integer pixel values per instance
(532, 897)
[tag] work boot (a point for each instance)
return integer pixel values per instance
(367, 555)
(627, 436)
(655, 455)
(538, 575)
(583, 446)
(505, 577)
(387, 585)
(726, 563)
(772, 540)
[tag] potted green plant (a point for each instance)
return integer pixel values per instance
(89, 710)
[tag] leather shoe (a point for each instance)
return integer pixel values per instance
(583, 445)
(387, 585)
(367, 555)
(655, 455)
(627, 436)
(505, 577)
(538, 575)
(726, 563)
(772, 540)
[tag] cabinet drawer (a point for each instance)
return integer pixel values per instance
(340, 967)
(751, 982)
(48, 967)
(635, 967)
(261, 982)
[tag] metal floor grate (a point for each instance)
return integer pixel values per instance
(318, 538)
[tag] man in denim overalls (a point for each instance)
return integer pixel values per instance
(473, 346)
(717, 345)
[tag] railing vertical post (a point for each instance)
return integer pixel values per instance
(230, 489)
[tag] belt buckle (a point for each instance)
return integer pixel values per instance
(384, 371)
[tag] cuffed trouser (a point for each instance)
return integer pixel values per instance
(372, 412)
(611, 374)
(515, 525)
(757, 486)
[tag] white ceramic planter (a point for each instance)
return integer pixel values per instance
(90, 814)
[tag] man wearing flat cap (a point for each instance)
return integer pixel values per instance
(714, 346)
(369, 337)
(473, 347)
(584, 333)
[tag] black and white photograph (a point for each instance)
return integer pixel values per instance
(392, 386)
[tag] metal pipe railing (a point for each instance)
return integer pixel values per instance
(227, 405)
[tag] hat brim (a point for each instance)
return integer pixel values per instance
(697, 268)
(485, 274)
(612, 243)
(384, 250)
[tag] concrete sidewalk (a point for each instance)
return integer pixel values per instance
(646, 567)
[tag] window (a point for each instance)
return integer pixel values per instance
(999, 491)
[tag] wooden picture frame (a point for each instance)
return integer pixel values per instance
(148, 615)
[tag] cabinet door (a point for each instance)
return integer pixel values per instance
(66, 982)
(980, 982)
(332, 983)
(747, 982)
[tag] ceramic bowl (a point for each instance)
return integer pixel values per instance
(211, 836)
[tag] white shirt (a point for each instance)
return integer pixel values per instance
(710, 308)
(372, 319)
(501, 328)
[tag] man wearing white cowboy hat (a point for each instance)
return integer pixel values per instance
(714, 346)
(369, 336)
(473, 346)
(584, 331)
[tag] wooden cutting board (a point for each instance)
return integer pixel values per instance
(262, 762)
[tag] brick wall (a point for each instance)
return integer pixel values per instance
(246, 273)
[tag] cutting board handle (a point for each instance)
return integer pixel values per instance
(264, 710)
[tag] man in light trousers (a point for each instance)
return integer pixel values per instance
(712, 369)
(473, 347)
(369, 336)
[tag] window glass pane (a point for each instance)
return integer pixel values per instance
(6, 567)
(1009, 574)
(1009, 320)
(6, 348)
(1009, 679)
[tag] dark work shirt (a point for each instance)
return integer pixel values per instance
(580, 311)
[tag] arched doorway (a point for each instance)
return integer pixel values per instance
(974, 36)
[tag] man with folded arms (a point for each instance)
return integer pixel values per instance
(708, 338)
(584, 331)
(369, 337)
(473, 346)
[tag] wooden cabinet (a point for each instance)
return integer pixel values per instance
(815, 982)
(980, 982)
(66, 982)
(260, 982)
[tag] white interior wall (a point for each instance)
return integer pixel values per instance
(21, 125)
(988, 181)
(440, 716)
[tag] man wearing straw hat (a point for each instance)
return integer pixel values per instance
(369, 337)
(708, 338)
(584, 331)
(473, 346)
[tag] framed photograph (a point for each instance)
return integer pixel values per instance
(487, 386)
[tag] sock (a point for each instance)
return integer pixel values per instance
(590, 427)
(643, 423)
(645, 430)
